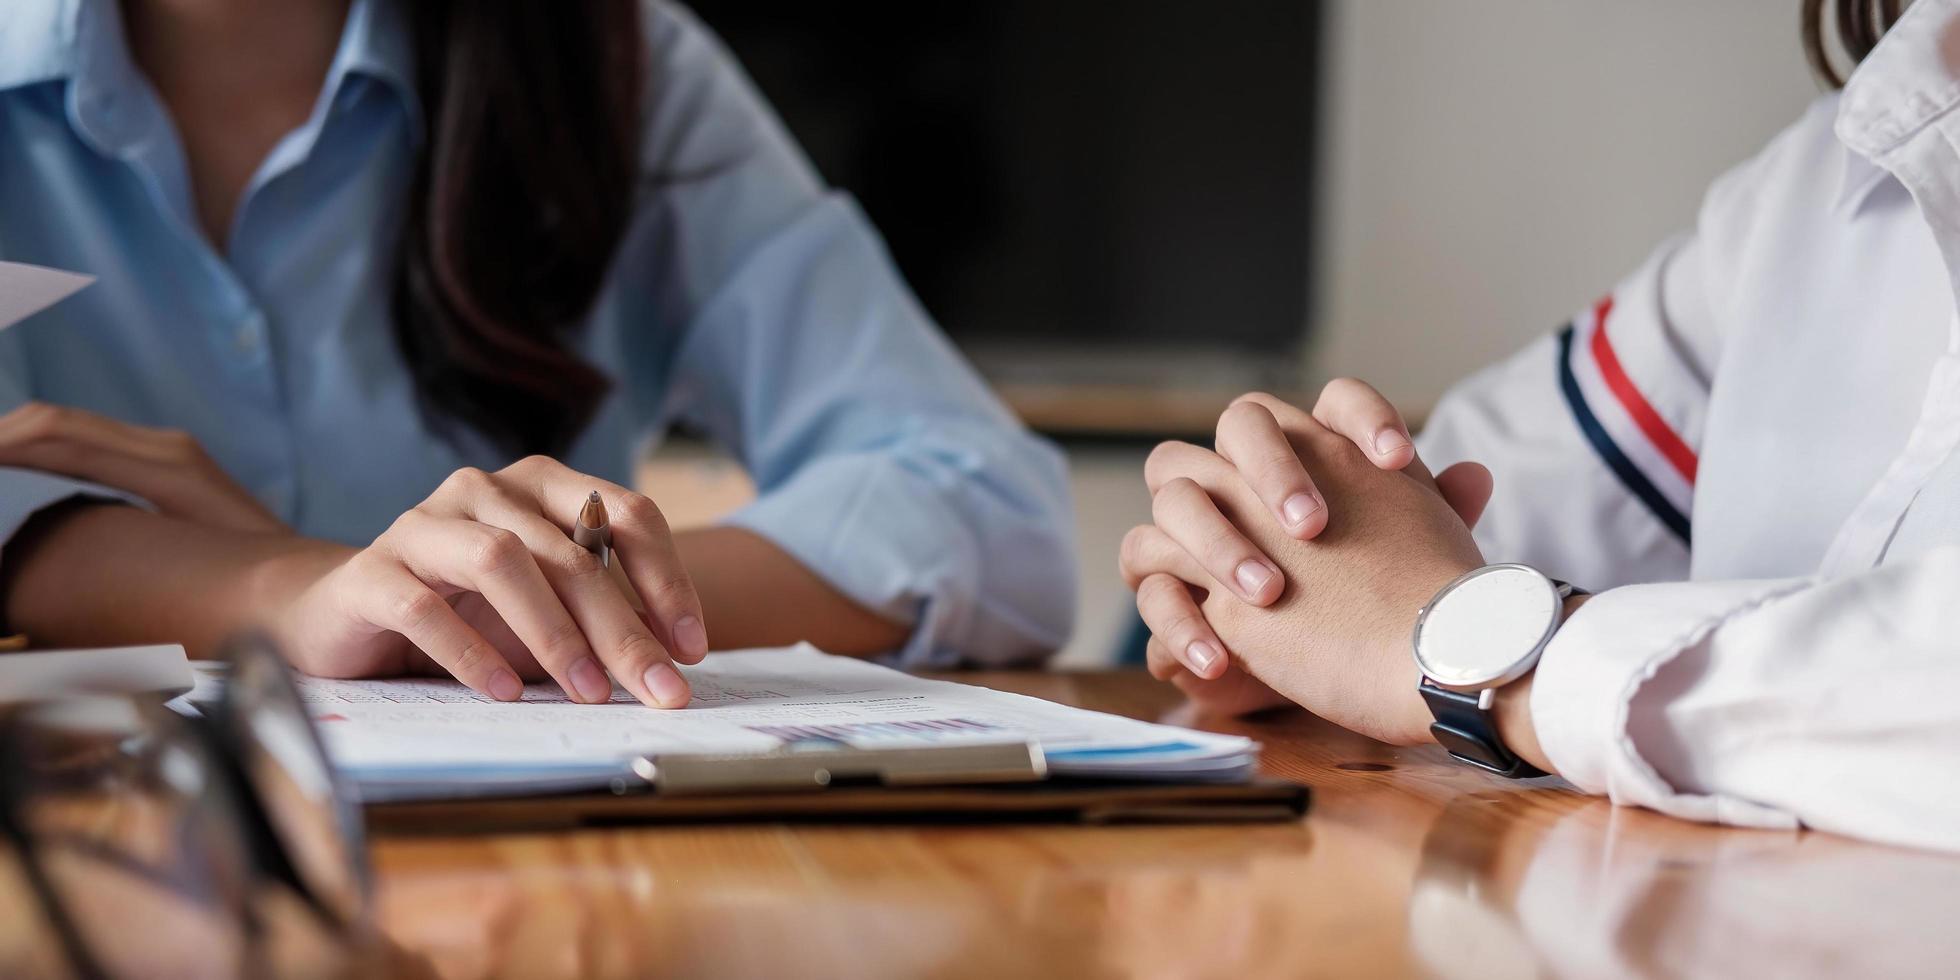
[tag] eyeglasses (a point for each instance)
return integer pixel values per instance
(154, 843)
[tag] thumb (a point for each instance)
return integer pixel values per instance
(1466, 488)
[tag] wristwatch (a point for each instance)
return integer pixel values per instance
(1483, 631)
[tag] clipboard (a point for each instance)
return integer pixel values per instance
(829, 782)
(820, 763)
(1074, 801)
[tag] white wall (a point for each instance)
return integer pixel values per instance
(1492, 166)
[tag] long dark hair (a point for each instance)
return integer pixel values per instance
(521, 195)
(1858, 25)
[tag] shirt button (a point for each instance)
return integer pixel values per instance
(250, 335)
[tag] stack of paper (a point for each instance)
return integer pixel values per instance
(401, 739)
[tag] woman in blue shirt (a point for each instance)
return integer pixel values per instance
(415, 313)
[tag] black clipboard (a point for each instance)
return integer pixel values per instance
(823, 781)
(1080, 801)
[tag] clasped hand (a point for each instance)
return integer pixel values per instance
(1290, 563)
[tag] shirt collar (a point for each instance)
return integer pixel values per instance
(1906, 83)
(379, 44)
(1858, 179)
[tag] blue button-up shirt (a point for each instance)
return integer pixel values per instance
(747, 300)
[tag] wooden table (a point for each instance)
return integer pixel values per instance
(1407, 865)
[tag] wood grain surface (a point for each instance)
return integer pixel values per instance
(1407, 865)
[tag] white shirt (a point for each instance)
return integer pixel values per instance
(1748, 450)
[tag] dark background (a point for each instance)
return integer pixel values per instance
(1131, 175)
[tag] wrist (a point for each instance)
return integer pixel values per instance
(91, 579)
(1412, 710)
(272, 584)
(1513, 707)
(1507, 702)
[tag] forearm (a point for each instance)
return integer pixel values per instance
(102, 575)
(98, 575)
(754, 594)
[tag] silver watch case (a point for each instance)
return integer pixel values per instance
(1500, 670)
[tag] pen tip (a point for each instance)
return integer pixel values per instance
(593, 514)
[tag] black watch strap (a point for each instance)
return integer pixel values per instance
(1467, 728)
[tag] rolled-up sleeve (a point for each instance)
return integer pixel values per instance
(24, 493)
(882, 462)
(1768, 704)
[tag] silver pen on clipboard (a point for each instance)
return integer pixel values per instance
(592, 531)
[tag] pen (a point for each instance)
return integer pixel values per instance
(592, 531)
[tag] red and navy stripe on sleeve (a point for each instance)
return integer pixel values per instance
(1643, 450)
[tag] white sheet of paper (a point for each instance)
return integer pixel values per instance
(159, 670)
(397, 732)
(28, 289)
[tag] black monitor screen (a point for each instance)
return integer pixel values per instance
(1064, 171)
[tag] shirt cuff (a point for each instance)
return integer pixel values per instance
(1598, 662)
(24, 493)
(896, 543)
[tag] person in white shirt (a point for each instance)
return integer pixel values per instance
(1746, 452)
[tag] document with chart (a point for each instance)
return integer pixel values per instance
(436, 737)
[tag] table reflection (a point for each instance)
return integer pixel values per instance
(1408, 865)
(667, 912)
(1615, 892)
(1477, 885)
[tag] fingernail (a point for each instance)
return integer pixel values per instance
(1252, 577)
(691, 637)
(666, 685)
(1299, 507)
(1201, 655)
(504, 686)
(590, 681)
(1388, 442)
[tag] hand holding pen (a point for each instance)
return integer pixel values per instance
(496, 579)
(593, 531)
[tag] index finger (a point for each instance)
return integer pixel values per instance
(1249, 437)
(642, 543)
(104, 433)
(1369, 420)
(394, 598)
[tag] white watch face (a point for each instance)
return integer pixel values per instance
(1485, 629)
